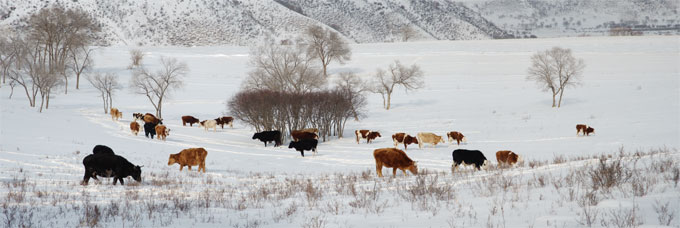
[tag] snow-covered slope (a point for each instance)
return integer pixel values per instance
(629, 95)
(556, 18)
(210, 22)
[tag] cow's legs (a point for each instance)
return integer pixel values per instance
(302, 152)
(404, 171)
(378, 169)
(181, 167)
(86, 178)
(394, 172)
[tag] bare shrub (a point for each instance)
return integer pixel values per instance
(559, 159)
(664, 213)
(608, 174)
(327, 111)
(136, 57)
(318, 221)
(622, 218)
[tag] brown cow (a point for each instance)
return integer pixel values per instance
(150, 118)
(162, 132)
(371, 136)
(302, 135)
(189, 119)
(310, 130)
(507, 157)
(426, 137)
(454, 135)
(361, 134)
(115, 114)
(225, 120)
(590, 130)
(395, 159)
(134, 126)
(403, 138)
(585, 129)
(189, 157)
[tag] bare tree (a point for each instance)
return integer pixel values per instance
(60, 32)
(157, 86)
(30, 71)
(554, 70)
(282, 68)
(81, 61)
(327, 46)
(136, 57)
(7, 56)
(354, 88)
(407, 32)
(410, 78)
(106, 84)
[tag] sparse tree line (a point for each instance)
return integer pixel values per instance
(54, 47)
(265, 110)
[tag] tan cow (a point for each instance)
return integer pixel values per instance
(427, 137)
(189, 157)
(134, 127)
(454, 135)
(115, 114)
(395, 159)
(506, 157)
(162, 132)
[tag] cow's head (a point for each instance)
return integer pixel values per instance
(413, 168)
(173, 159)
(202, 123)
(137, 173)
(441, 139)
(291, 145)
(255, 136)
(485, 165)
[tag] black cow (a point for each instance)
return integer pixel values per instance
(468, 157)
(109, 165)
(304, 144)
(101, 149)
(150, 129)
(268, 136)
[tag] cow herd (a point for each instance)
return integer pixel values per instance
(105, 163)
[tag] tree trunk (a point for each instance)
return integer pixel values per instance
(42, 101)
(65, 85)
(106, 111)
(560, 102)
(324, 70)
(47, 105)
(77, 80)
(553, 95)
(389, 98)
(160, 106)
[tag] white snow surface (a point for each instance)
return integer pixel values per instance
(630, 93)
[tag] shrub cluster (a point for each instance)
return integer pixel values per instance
(266, 110)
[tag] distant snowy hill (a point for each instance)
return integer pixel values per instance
(215, 22)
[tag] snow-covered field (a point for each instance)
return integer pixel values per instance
(630, 94)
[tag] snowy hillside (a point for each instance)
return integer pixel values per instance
(629, 95)
(557, 18)
(211, 22)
